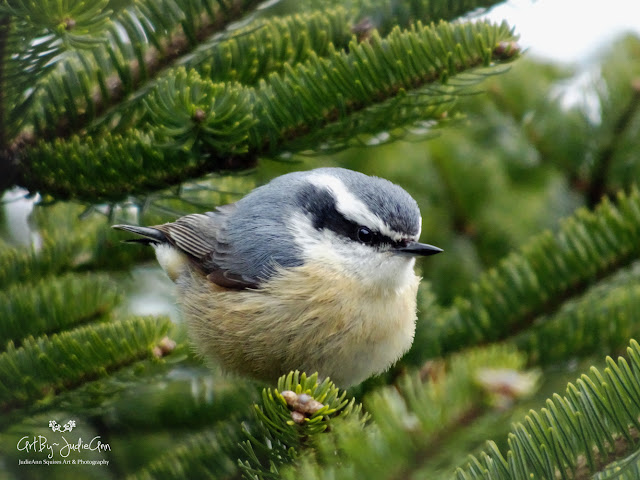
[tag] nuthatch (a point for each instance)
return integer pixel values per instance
(312, 271)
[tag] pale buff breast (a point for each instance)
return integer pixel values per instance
(306, 318)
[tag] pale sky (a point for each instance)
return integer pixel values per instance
(568, 30)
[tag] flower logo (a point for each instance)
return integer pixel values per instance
(67, 427)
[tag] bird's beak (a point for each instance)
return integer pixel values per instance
(418, 249)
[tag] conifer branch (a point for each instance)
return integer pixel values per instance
(60, 250)
(409, 420)
(408, 77)
(148, 64)
(211, 453)
(602, 322)
(290, 417)
(252, 53)
(64, 361)
(384, 16)
(20, 264)
(573, 436)
(597, 187)
(43, 307)
(546, 273)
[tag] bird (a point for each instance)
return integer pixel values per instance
(313, 271)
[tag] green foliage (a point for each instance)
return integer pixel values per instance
(597, 418)
(411, 420)
(534, 200)
(190, 110)
(376, 77)
(205, 126)
(132, 156)
(44, 307)
(54, 256)
(316, 82)
(45, 365)
(208, 454)
(299, 410)
(601, 321)
(138, 41)
(252, 53)
(271, 44)
(19, 263)
(384, 16)
(550, 269)
(76, 23)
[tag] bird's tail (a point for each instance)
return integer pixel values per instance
(150, 235)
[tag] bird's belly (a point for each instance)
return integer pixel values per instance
(302, 320)
(386, 333)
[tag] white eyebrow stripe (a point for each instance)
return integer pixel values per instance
(351, 207)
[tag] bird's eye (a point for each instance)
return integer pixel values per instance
(365, 235)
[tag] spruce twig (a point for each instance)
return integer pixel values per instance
(155, 62)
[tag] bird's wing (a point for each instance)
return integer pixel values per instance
(203, 238)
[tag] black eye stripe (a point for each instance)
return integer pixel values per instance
(321, 207)
(376, 238)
